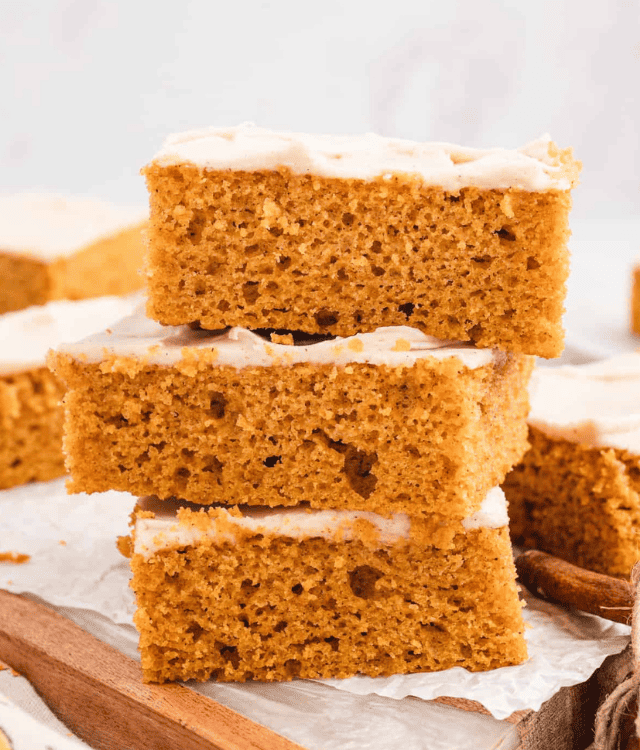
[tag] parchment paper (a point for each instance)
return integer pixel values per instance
(75, 564)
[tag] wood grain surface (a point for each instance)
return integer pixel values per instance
(99, 694)
(556, 580)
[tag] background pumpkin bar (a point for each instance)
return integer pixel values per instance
(276, 594)
(576, 493)
(340, 234)
(31, 413)
(54, 248)
(387, 421)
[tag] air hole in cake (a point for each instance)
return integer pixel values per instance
(122, 468)
(281, 626)
(475, 332)
(272, 286)
(532, 264)
(275, 231)
(506, 234)
(435, 626)
(196, 631)
(117, 421)
(358, 316)
(229, 654)
(378, 271)
(223, 305)
(407, 309)
(483, 260)
(188, 453)
(325, 318)
(357, 467)
(196, 225)
(249, 584)
(182, 474)
(297, 589)
(252, 250)
(342, 275)
(212, 465)
(16, 462)
(376, 246)
(284, 262)
(363, 579)
(348, 219)
(292, 667)
(217, 405)
(452, 198)
(143, 458)
(333, 642)
(251, 291)
(271, 461)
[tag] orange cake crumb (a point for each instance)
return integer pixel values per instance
(14, 557)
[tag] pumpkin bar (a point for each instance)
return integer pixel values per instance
(576, 492)
(392, 421)
(271, 594)
(31, 413)
(54, 248)
(345, 234)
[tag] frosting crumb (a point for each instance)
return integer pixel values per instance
(402, 345)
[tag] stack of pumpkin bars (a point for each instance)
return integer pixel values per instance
(318, 472)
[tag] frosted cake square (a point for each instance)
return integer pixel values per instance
(576, 493)
(31, 413)
(392, 421)
(54, 248)
(271, 594)
(345, 234)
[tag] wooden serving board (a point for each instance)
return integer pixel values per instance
(99, 694)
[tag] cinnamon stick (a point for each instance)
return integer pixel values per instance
(99, 694)
(558, 581)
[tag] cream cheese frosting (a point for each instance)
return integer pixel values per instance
(596, 404)
(532, 167)
(140, 338)
(27, 335)
(165, 531)
(46, 227)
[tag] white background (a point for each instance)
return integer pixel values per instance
(90, 88)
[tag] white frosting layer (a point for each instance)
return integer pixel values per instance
(27, 335)
(164, 531)
(365, 157)
(49, 226)
(597, 404)
(140, 338)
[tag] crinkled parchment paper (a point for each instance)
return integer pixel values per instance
(75, 565)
